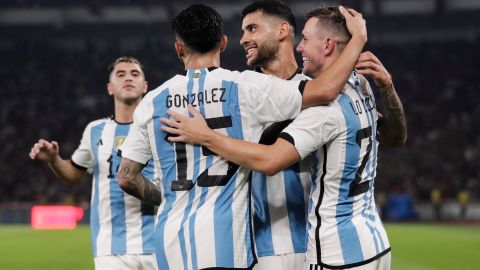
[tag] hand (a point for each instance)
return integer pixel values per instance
(44, 150)
(369, 65)
(192, 130)
(356, 25)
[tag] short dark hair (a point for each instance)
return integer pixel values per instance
(332, 20)
(274, 8)
(124, 59)
(200, 27)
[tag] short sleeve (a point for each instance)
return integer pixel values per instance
(83, 155)
(136, 146)
(272, 98)
(313, 128)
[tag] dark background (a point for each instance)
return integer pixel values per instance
(53, 74)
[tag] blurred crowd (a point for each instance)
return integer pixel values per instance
(52, 90)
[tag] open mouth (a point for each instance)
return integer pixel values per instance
(249, 51)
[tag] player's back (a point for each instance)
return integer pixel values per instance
(344, 226)
(204, 219)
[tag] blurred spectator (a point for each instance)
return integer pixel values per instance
(61, 76)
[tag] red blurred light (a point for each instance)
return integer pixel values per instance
(56, 217)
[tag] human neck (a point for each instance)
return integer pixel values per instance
(284, 65)
(196, 61)
(124, 111)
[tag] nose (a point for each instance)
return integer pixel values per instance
(300, 47)
(244, 39)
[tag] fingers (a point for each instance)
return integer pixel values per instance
(349, 13)
(175, 115)
(170, 122)
(344, 12)
(368, 56)
(55, 145)
(170, 130)
(32, 153)
(193, 111)
(37, 147)
(368, 65)
(354, 13)
(367, 72)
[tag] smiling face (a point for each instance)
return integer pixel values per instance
(312, 48)
(259, 38)
(127, 82)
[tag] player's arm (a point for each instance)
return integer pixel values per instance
(63, 169)
(131, 180)
(392, 127)
(267, 159)
(331, 81)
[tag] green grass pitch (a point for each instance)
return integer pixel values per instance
(414, 247)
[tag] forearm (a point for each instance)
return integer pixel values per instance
(393, 128)
(245, 154)
(134, 183)
(65, 171)
(267, 159)
(325, 88)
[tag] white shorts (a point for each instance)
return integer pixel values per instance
(126, 262)
(382, 263)
(292, 261)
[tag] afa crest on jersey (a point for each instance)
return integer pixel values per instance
(197, 75)
(118, 142)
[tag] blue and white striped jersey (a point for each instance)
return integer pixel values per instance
(344, 228)
(120, 223)
(280, 206)
(204, 220)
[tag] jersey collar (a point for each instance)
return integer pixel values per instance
(192, 70)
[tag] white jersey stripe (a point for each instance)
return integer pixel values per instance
(164, 149)
(95, 136)
(349, 240)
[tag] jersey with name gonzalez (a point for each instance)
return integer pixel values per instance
(344, 228)
(204, 219)
(120, 223)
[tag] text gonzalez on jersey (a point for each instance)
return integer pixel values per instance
(213, 95)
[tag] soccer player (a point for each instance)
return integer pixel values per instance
(121, 225)
(344, 229)
(280, 201)
(204, 217)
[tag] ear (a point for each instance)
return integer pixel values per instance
(330, 46)
(284, 31)
(179, 47)
(223, 43)
(110, 89)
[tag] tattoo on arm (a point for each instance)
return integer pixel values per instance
(393, 127)
(134, 183)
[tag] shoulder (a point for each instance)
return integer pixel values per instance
(322, 114)
(172, 82)
(99, 122)
(300, 77)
